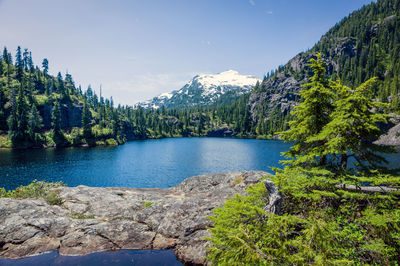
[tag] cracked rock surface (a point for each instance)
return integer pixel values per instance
(96, 219)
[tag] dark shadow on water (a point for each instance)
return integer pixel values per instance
(122, 257)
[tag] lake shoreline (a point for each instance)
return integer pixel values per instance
(91, 219)
(130, 140)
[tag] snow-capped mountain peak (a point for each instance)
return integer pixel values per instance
(204, 89)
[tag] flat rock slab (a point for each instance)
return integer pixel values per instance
(96, 219)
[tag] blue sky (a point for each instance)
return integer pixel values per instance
(138, 49)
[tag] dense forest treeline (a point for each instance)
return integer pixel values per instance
(38, 110)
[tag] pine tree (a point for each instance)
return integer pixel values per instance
(45, 66)
(87, 129)
(19, 64)
(354, 127)
(311, 115)
(22, 113)
(34, 121)
(58, 135)
(6, 56)
(13, 118)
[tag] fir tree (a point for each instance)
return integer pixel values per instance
(353, 128)
(87, 129)
(19, 64)
(45, 66)
(312, 114)
(34, 121)
(13, 118)
(58, 135)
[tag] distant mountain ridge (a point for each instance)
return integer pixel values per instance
(204, 89)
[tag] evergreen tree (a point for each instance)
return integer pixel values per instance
(19, 64)
(86, 121)
(60, 84)
(45, 66)
(353, 128)
(312, 114)
(13, 118)
(34, 122)
(6, 56)
(22, 112)
(58, 135)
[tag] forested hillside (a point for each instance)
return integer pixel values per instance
(37, 109)
(363, 45)
(40, 110)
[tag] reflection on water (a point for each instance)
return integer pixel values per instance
(122, 257)
(151, 163)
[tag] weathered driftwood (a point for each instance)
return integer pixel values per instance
(275, 199)
(368, 189)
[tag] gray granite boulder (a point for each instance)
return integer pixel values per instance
(95, 219)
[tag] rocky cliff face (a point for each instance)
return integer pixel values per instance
(280, 93)
(96, 219)
(71, 115)
(361, 46)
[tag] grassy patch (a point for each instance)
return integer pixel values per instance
(52, 198)
(238, 180)
(145, 204)
(36, 189)
(81, 216)
(5, 141)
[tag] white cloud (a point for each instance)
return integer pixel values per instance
(251, 2)
(206, 42)
(269, 12)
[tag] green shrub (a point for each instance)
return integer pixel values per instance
(36, 189)
(52, 198)
(321, 224)
(42, 99)
(5, 141)
(49, 139)
(111, 142)
(76, 136)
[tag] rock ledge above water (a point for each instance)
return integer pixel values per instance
(96, 219)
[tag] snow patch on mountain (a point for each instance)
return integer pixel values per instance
(204, 89)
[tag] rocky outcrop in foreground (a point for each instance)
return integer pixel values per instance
(96, 219)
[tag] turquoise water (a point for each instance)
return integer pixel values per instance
(149, 163)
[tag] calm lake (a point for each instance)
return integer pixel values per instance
(150, 163)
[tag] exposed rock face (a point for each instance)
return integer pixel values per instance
(71, 115)
(281, 93)
(221, 132)
(95, 219)
(391, 138)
